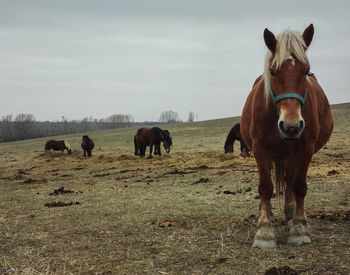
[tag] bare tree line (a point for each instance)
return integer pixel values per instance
(169, 116)
(24, 126)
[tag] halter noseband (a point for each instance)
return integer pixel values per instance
(287, 95)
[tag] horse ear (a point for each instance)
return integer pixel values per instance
(270, 40)
(308, 34)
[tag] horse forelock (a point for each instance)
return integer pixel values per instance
(290, 44)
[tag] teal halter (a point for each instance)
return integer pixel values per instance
(287, 95)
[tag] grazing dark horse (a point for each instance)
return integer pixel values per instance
(232, 136)
(58, 145)
(87, 145)
(285, 120)
(149, 137)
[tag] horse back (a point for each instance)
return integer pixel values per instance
(55, 145)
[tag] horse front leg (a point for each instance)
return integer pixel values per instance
(265, 235)
(150, 151)
(298, 227)
(84, 153)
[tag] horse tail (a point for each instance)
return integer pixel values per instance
(280, 179)
(136, 147)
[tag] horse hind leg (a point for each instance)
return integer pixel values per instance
(289, 206)
(289, 203)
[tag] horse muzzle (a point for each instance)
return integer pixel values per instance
(167, 150)
(291, 130)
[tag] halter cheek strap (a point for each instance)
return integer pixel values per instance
(287, 95)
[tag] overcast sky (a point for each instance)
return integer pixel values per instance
(97, 58)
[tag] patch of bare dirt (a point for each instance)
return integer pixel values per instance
(201, 180)
(31, 180)
(101, 175)
(167, 224)
(331, 215)
(178, 172)
(60, 191)
(60, 204)
(284, 270)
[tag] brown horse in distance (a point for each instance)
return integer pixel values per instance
(285, 120)
(151, 137)
(87, 145)
(233, 135)
(58, 145)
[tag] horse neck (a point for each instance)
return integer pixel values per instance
(232, 135)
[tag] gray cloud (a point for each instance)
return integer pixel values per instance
(82, 58)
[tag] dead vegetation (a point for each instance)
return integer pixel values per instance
(191, 211)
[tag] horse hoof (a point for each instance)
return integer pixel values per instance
(298, 234)
(298, 240)
(265, 238)
(264, 244)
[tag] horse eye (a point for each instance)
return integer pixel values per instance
(273, 73)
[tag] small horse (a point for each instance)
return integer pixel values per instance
(87, 145)
(232, 136)
(58, 145)
(285, 120)
(149, 137)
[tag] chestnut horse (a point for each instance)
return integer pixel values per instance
(149, 137)
(58, 145)
(285, 120)
(232, 136)
(87, 145)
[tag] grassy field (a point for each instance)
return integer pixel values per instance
(192, 211)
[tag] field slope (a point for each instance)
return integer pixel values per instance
(190, 211)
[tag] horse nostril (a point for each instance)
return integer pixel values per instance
(281, 125)
(301, 124)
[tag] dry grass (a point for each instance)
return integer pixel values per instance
(167, 215)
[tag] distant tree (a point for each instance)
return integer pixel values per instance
(6, 129)
(169, 116)
(119, 120)
(23, 125)
(191, 116)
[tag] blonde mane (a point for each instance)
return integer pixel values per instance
(289, 44)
